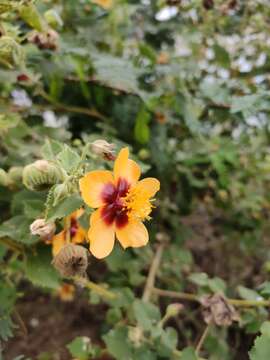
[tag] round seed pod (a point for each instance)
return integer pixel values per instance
(15, 174)
(72, 260)
(103, 148)
(41, 175)
(3, 178)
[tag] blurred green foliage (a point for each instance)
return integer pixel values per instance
(183, 83)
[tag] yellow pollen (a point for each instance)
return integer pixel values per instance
(138, 204)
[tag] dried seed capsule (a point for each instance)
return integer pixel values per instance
(72, 260)
(43, 229)
(103, 149)
(41, 175)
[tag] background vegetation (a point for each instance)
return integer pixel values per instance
(185, 84)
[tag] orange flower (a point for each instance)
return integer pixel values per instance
(105, 4)
(73, 232)
(123, 203)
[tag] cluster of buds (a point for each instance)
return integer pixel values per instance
(217, 310)
(41, 175)
(104, 149)
(45, 230)
(12, 178)
(47, 40)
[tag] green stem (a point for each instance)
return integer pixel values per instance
(100, 290)
(196, 298)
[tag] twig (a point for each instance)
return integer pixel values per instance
(21, 322)
(9, 243)
(202, 339)
(95, 287)
(150, 282)
(196, 298)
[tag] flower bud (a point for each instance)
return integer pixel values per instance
(15, 174)
(3, 178)
(104, 149)
(53, 19)
(45, 40)
(11, 53)
(135, 335)
(173, 310)
(41, 175)
(71, 260)
(41, 228)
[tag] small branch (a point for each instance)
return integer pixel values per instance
(21, 322)
(100, 290)
(202, 339)
(196, 298)
(150, 282)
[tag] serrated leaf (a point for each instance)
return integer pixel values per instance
(31, 16)
(261, 348)
(69, 159)
(17, 228)
(39, 270)
(65, 207)
(117, 345)
(50, 149)
(146, 314)
(116, 72)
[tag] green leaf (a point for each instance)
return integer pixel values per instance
(189, 354)
(69, 159)
(33, 208)
(248, 294)
(8, 297)
(200, 279)
(117, 344)
(146, 314)
(261, 348)
(81, 348)
(65, 207)
(115, 72)
(265, 328)
(141, 130)
(8, 122)
(50, 149)
(39, 270)
(222, 56)
(31, 16)
(18, 228)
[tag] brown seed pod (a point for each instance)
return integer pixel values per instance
(72, 260)
(217, 310)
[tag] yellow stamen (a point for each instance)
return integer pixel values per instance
(138, 204)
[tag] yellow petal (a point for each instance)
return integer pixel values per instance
(80, 236)
(58, 241)
(101, 236)
(148, 186)
(133, 234)
(93, 184)
(126, 168)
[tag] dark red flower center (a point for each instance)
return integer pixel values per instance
(73, 227)
(114, 209)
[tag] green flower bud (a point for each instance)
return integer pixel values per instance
(60, 192)
(3, 178)
(11, 53)
(41, 175)
(15, 174)
(53, 19)
(173, 310)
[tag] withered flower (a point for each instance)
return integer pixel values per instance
(217, 310)
(43, 229)
(72, 260)
(104, 149)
